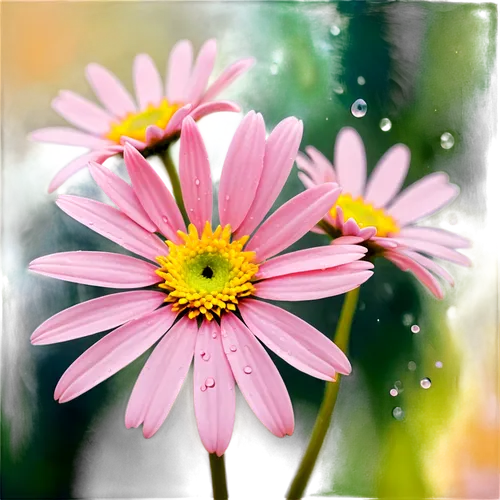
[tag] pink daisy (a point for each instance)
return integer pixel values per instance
(374, 213)
(208, 284)
(151, 121)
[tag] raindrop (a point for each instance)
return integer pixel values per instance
(447, 141)
(361, 80)
(203, 388)
(398, 413)
(335, 30)
(407, 319)
(359, 108)
(197, 182)
(415, 328)
(205, 356)
(412, 366)
(164, 219)
(393, 392)
(274, 68)
(439, 364)
(210, 382)
(425, 383)
(385, 124)
(247, 370)
(214, 335)
(233, 348)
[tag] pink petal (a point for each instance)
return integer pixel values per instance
(367, 232)
(309, 168)
(386, 243)
(114, 225)
(422, 274)
(351, 228)
(339, 217)
(280, 152)
(82, 113)
(294, 340)
(161, 378)
(147, 82)
(96, 315)
(306, 180)
(112, 353)
(201, 71)
(322, 164)
(110, 270)
(310, 259)
(435, 235)
(121, 194)
(257, 377)
(292, 220)
(388, 176)
(435, 250)
(178, 71)
(350, 162)
(228, 76)
(110, 91)
(430, 265)
(153, 134)
(213, 107)
(347, 240)
(242, 170)
(78, 163)
(69, 136)
(214, 397)
(194, 172)
(312, 285)
(154, 195)
(422, 198)
(174, 125)
(139, 145)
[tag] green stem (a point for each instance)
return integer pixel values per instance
(324, 417)
(218, 471)
(174, 180)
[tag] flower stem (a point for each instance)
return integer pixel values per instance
(176, 184)
(323, 420)
(218, 471)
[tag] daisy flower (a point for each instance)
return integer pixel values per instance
(153, 119)
(376, 214)
(204, 284)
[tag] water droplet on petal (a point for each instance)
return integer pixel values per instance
(412, 366)
(210, 382)
(359, 108)
(164, 219)
(425, 383)
(203, 388)
(335, 30)
(361, 80)
(197, 182)
(415, 328)
(233, 348)
(214, 335)
(205, 356)
(398, 413)
(393, 392)
(385, 124)
(91, 223)
(227, 197)
(439, 364)
(247, 370)
(447, 141)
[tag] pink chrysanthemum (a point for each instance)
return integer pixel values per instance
(154, 119)
(374, 213)
(209, 283)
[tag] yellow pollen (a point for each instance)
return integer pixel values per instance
(209, 274)
(365, 214)
(134, 125)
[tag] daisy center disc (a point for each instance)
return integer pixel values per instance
(209, 274)
(134, 125)
(365, 214)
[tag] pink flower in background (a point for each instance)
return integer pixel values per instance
(154, 116)
(202, 277)
(374, 213)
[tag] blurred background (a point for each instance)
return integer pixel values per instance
(418, 417)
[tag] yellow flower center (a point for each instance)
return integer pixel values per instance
(207, 275)
(365, 214)
(134, 125)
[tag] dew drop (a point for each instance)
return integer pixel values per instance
(164, 219)
(447, 140)
(385, 124)
(439, 364)
(214, 335)
(203, 388)
(233, 348)
(205, 356)
(210, 382)
(425, 383)
(393, 392)
(335, 30)
(247, 370)
(398, 413)
(412, 366)
(359, 108)
(197, 182)
(227, 197)
(361, 80)
(415, 328)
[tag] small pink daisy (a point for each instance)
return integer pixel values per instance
(374, 213)
(150, 122)
(207, 284)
